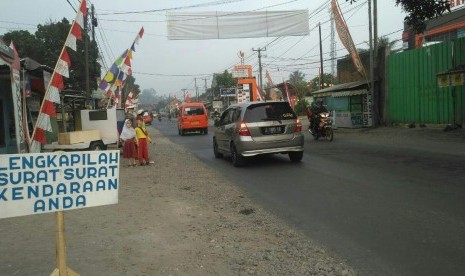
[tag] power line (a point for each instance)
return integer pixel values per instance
(214, 3)
(201, 17)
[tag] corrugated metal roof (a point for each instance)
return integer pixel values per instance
(446, 19)
(344, 89)
(349, 93)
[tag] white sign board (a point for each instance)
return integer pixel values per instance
(38, 183)
(217, 104)
(240, 73)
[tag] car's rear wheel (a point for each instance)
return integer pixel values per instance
(236, 159)
(215, 150)
(183, 132)
(296, 156)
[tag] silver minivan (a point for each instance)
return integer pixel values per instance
(254, 128)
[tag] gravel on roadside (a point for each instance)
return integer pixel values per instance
(175, 217)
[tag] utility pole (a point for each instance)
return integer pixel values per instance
(371, 85)
(322, 85)
(196, 90)
(205, 79)
(375, 28)
(86, 43)
(375, 96)
(259, 50)
(93, 21)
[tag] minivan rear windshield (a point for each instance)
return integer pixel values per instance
(269, 111)
(194, 110)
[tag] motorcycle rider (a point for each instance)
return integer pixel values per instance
(315, 111)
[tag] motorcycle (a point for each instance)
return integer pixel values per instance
(323, 128)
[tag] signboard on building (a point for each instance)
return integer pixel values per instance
(243, 93)
(367, 110)
(242, 71)
(228, 92)
(218, 105)
(38, 183)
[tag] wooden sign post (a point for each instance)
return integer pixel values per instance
(62, 268)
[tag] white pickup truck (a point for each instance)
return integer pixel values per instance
(105, 121)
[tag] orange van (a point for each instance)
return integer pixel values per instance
(192, 117)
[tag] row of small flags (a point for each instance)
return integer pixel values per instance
(52, 94)
(113, 81)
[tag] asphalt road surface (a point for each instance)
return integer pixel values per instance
(388, 210)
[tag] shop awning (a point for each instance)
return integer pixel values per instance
(349, 93)
(343, 90)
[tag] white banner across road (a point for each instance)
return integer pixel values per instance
(38, 183)
(220, 25)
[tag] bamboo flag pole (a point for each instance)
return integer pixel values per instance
(47, 91)
(53, 74)
(62, 268)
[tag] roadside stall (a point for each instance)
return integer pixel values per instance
(11, 136)
(350, 102)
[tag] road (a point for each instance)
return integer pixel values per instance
(387, 210)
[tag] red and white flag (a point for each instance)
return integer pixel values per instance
(260, 94)
(346, 38)
(289, 98)
(268, 78)
(63, 64)
(52, 94)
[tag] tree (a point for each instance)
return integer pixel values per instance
(148, 97)
(301, 88)
(419, 11)
(296, 77)
(25, 43)
(45, 47)
(224, 80)
(385, 42)
(327, 80)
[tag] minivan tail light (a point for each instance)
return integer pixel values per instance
(243, 130)
(298, 127)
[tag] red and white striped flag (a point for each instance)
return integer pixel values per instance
(289, 98)
(346, 38)
(268, 78)
(129, 100)
(52, 94)
(260, 94)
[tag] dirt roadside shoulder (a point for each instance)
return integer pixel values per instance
(176, 217)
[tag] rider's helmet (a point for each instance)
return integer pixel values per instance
(319, 101)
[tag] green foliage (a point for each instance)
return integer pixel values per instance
(300, 107)
(45, 47)
(301, 87)
(296, 77)
(148, 97)
(224, 80)
(25, 43)
(327, 80)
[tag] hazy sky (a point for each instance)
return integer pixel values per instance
(171, 65)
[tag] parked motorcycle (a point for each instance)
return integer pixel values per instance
(324, 127)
